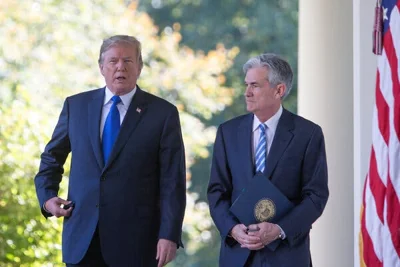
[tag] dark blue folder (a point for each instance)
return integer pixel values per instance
(260, 193)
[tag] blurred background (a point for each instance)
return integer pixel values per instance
(193, 55)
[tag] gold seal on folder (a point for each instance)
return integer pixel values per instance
(264, 210)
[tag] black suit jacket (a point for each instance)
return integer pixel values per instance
(136, 198)
(296, 164)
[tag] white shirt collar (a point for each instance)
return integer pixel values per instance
(271, 123)
(126, 99)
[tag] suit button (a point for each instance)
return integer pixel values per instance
(102, 178)
(97, 205)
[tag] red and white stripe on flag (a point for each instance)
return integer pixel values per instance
(380, 211)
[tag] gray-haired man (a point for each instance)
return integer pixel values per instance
(289, 150)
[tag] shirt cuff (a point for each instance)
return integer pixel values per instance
(283, 235)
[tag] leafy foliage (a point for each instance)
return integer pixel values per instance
(253, 26)
(24, 234)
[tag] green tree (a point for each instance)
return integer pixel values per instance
(253, 26)
(49, 50)
(24, 235)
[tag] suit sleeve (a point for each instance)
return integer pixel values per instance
(47, 180)
(172, 179)
(314, 191)
(220, 188)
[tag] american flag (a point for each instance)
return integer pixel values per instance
(380, 211)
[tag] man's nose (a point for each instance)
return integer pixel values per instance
(121, 65)
(248, 91)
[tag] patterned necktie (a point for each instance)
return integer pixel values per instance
(111, 128)
(261, 149)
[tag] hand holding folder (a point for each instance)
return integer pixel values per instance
(261, 201)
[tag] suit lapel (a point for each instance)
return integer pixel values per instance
(133, 115)
(95, 107)
(282, 138)
(245, 145)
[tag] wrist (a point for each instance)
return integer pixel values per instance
(44, 207)
(229, 234)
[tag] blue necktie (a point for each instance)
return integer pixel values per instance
(111, 128)
(261, 151)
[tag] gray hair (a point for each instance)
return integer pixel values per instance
(119, 39)
(279, 70)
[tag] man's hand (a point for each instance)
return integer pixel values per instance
(268, 232)
(53, 206)
(166, 251)
(239, 233)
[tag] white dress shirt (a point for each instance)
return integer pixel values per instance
(271, 124)
(122, 106)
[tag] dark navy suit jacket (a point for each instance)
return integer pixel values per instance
(137, 197)
(296, 164)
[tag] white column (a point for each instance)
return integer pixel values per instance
(325, 96)
(364, 90)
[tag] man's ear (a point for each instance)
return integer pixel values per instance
(101, 68)
(281, 89)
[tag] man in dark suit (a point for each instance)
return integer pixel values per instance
(127, 176)
(289, 150)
